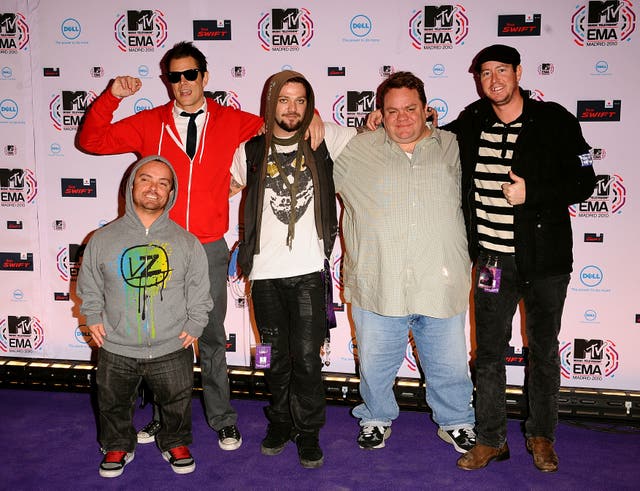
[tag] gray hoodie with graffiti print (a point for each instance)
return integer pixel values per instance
(145, 286)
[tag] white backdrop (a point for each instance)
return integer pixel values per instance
(55, 57)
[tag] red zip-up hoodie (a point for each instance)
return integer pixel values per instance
(202, 206)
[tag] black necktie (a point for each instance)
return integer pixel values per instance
(192, 133)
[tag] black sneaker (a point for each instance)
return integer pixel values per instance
(309, 450)
(180, 459)
(113, 463)
(149, 432)
(277, 437)
(229, 438)
(371, 436)
(462, 439)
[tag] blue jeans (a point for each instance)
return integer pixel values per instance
(543, 303)
(441, 344)
(291, 316)
(170, 377)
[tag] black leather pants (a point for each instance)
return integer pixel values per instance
(291, 315)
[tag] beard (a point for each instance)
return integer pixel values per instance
(290, 127)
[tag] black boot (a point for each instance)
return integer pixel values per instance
(309, 450)
(278, 434)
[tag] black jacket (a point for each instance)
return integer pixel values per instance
(547, 158)
(324, 195)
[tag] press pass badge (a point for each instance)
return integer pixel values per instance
(263, 356)
(489, 275)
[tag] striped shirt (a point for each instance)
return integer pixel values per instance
(494, 215)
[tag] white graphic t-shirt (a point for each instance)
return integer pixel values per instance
(306, 255)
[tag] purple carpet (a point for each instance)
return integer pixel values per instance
(48, 441)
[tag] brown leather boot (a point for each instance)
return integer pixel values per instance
(480, 455)
(544, 456)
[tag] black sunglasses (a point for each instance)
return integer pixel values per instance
(190, 75)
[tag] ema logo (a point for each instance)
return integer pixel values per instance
(16, 261)
(67, 109)
(225, 98)
(609, 198)
(140, 31)
(212, 30)
(519, 25)
(409, 355)
(68, 261)
(336, 273)
(536, 95)
(285, 29)
(588, 359)
(14, 33)
(352, 110)
(438, 27)
(70, 29)
(21, 334)
(603, 23)
(546, 69)
(18, 187)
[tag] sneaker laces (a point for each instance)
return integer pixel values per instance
(229, 432)
(467, 434)
(368, 430)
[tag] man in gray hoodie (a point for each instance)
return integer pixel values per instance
(145, 294)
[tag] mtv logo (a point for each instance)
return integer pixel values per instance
(12, 178)
(588, 349)
(74, 101)
(360, 101)
(438, 16)
(140, 20)
(221, 97)
(603, 185)
(285, 19)
(604, 12)
(8, 23)
(20, 325)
